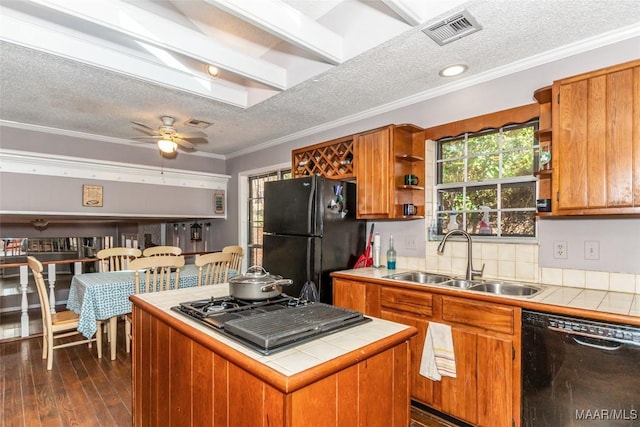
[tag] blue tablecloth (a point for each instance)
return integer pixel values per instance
(100, 296)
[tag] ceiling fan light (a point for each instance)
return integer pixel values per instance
(167, 146)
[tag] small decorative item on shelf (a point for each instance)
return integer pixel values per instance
(543, 205)
(408, 209)
(410, 180)
(545, 160)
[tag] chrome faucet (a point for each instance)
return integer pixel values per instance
(470, 271)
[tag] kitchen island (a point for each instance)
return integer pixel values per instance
(185, 373)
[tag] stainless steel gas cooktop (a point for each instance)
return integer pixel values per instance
(270, 325)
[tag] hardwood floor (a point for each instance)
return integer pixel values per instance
(81, 390)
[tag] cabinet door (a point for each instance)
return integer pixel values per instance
(351, 295)
(459, 395)
(495, 381)
(374, 173)
(421, 387)
(596, 146)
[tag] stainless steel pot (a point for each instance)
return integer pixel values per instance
(257, 284)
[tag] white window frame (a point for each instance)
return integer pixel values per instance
(493, 182)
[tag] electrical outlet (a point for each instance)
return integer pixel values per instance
(560, 250)
(410, 243)
(592, 249)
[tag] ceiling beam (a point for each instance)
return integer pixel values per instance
(416, 12)
(24, 31)
(160, 32)
(287, 23)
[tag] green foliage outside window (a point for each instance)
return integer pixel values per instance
(488, 174)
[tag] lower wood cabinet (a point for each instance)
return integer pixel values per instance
(486, 338)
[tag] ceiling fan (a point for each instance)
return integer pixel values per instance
(167, 136)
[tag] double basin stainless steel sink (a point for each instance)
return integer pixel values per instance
(494, 287)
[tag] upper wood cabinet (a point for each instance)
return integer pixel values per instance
(596, 142)
(382, 158)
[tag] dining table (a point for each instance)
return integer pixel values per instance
(105, 296)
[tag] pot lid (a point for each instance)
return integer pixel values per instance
(255, 274)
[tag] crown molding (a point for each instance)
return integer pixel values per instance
(25, 162)
(94, 137)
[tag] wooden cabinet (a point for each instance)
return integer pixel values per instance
(351, 295)
(415, 309)
(486, 342)
(486, 339)
(596, 142)
(332, 159)
(383, 157)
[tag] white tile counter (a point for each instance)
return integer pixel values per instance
(287, 362)
(619, 303)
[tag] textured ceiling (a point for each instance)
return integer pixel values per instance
(380, 55)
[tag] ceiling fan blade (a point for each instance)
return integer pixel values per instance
(185, 144)
(147, 129)
(148, 137)
(192, 135)
(143, 125)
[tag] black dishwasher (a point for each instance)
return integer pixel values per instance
(579, 372)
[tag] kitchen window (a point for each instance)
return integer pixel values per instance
(256, 212)
(485, 182)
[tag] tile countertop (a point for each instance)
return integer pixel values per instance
(616, 303)
(287, 362)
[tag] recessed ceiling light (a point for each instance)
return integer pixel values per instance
(213, 71)
(453, 70)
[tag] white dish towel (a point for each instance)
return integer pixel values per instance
(438, 357)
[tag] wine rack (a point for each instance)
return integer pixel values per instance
(331, 159)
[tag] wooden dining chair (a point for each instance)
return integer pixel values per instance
(162, 250)
(57, 325)
(153, 274)
(117, 259)
(238, 253)
(213, 268)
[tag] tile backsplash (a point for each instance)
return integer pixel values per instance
(516, 262)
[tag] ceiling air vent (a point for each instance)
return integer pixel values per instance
(454, 27)
(198, 123)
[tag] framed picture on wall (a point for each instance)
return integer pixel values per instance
(92, 195)
(218, 202)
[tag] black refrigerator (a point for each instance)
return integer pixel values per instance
(310, 230)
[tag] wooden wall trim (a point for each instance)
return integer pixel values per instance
(493, 120)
